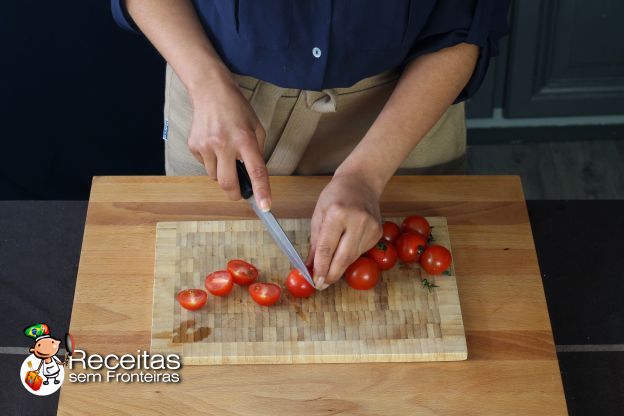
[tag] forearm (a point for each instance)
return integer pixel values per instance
(428, 86)
(174, 29)
(224, 126)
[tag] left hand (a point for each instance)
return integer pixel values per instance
(346, 223)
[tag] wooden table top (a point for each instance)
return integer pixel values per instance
(511, 369)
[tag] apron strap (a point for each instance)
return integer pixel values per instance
(299, 129)
(263, 101)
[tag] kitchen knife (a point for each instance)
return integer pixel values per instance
(271, 223)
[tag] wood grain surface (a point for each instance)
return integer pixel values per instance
(512, 367)
(399, 320)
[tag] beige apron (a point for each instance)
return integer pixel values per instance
(312, 132)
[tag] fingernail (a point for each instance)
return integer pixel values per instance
(323, 286)
(264, 205)
(320, 281)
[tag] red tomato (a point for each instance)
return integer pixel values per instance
(384, 254)
(417, 224)
(298, 286)
(435, 259)
(265, 294)
(363, 274)
(243, 273)
(220, 283)
(410, 246)
(192, 299)
(391, 231)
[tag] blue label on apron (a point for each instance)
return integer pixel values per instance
(166, 130)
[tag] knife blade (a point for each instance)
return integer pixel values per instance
(272, 225)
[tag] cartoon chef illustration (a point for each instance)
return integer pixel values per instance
(46, 347)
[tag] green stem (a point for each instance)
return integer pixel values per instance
(430, 286)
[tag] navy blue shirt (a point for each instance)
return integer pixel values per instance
(316, 44)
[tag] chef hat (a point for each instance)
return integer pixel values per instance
(38, 331)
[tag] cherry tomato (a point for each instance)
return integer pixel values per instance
(391, 231)
(298, 286)
(384, 254)
(410, 246)
(436, 259)
(265, 294)
(220, 283)
(363, 274)
(417, 224)
(192, 299)
(243, 273)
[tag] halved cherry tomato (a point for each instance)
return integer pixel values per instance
(220, 283)
(265, 294)
(298, 286)
(243, 273)
(410, 246)
(436, 259)
(192, 299)
(363, 274)
(384, 254)
(391, 231)
(417, 224)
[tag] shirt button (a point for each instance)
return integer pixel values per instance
(316, 52)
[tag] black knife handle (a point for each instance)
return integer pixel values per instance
(243, 180)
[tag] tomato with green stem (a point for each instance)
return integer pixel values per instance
(436, 259)
(243, 273)
(384, 254)
(192, 299)
(410, 246)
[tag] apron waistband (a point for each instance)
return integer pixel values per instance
(304, 118)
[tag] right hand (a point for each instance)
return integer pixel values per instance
(225, 128)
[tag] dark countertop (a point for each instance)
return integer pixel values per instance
(578, 245)
(39, 252)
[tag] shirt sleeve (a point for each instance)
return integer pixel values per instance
(478, 22)
(121, 16)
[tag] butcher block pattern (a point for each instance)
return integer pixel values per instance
(398, 320)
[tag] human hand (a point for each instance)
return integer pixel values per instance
(225, 128)
(346, 223)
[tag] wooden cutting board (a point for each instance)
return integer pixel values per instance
(398, 320)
